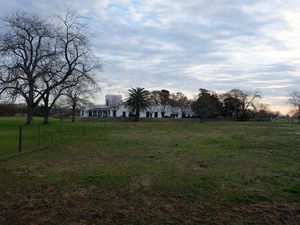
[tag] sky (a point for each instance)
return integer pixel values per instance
(186, 45)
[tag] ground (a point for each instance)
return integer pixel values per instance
(155, 172)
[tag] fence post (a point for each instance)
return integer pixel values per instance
(20, 139)
(71, 130)
(62, 134)
(39, 129)
(52, 141)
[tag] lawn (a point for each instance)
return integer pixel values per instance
(155, 172)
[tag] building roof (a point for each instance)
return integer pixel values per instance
(97, 107)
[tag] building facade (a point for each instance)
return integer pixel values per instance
(114, 107)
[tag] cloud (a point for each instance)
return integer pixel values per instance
(185, 45)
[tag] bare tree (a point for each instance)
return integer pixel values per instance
(61, 108)
(295, 102)
(115, 103)
(26, 40)
(174, 103)
(78, 97)
(183, 104)
(242, 100)
(49, 99)
(153, 102)
(39, 62)
(5, 98)
(164, 101)
(261, 111)
(75, 66)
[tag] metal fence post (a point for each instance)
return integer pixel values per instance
(52, 141)
(62, 134)
(71, 130)
(20, 139)
(39, 130)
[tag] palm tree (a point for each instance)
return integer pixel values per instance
(137, 100)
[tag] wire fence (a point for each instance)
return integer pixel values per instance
(50, 135)
(27, 138)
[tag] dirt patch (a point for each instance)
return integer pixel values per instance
(268, 213)
(81, 207)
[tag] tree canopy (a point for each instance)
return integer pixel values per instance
(137, 100)
(40, 58)
(207, 105)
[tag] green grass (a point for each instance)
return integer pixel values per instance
(159, 172)
(39, 135)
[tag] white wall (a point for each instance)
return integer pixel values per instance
(143, 114)
(84, 113)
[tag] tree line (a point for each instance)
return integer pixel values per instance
(44, 60)
(235, 104)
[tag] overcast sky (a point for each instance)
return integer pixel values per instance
(191, 44)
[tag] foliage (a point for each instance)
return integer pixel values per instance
(137, 100)
(153, 101)
(239, 102)
(10, 109)
(164, 101)
(115, 102)
(207, 105)
(232, 107)
(164, 97)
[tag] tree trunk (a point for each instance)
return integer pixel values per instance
(137, 115)
(46, 117)
(46, 110)
(243, 115)
(30, 106)
(30, 112)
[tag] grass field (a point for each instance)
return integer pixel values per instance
(38, 135)
(164, 172)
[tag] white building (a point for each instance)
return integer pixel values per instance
(114, 107)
